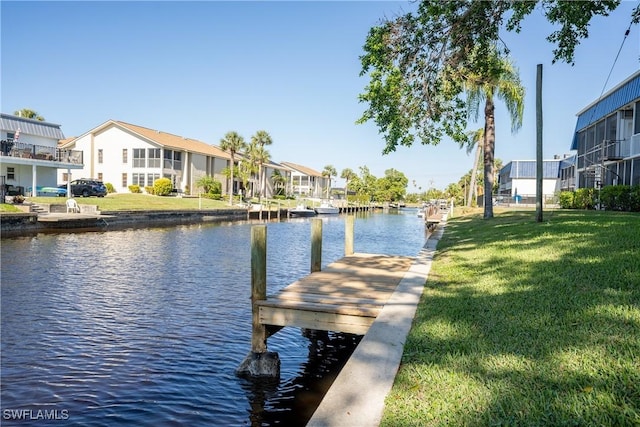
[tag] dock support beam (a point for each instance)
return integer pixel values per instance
(259, 362)
(316, 244)
(348, 234)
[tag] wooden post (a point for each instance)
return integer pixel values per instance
(258, 285)
(259, 362)
(316, 244)
(539, 177)
(348, 234)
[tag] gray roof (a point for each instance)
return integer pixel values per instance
(527, 169)
(626, 92)
(11, 123)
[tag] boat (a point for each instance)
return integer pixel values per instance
(301, 210)
(327, 208)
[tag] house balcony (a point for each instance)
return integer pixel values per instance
(21, 150)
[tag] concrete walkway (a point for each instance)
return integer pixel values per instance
(356, 398)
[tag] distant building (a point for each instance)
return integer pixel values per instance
(607, 138)
(518, 178)
(306, 181)
(30, 156)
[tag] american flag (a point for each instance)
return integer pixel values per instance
(17, 135)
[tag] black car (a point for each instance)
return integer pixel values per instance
(87, 187)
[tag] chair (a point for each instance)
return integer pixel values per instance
(72, 206)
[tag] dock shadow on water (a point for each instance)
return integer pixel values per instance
(292, 402)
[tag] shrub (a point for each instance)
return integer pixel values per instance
(162, 187)
(584, 198)
(566, 200)
(134, 188)
(110, 188)
(615, 197)
(148, 189)
(634, 198)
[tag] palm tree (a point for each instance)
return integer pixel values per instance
(500, 79)
(29, 114)
(279, 181)
(347, 174)
(233, 143)
(258, 155)
(476, 139)
(260, 139)
(328, 172)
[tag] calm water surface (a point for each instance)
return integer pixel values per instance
(146, 327)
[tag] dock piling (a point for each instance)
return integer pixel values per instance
(259, 361)
(348, 234)
(316, 244)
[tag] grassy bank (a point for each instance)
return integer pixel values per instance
(526, 324)
(128, 201)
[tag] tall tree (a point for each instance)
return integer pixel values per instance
(418, 63)
(347, 174)
(475, 141)
(328, 172)
(260, 140)
(233, 143)
(29, 114)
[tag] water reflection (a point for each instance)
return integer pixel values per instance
(147, 326)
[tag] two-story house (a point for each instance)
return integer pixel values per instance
(607, 138)
(305, 181)
(30, 157)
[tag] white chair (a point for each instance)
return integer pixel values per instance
(72, 206)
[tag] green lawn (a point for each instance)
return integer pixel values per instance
(525, 323)
(128, 201)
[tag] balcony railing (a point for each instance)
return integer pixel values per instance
(23, 150)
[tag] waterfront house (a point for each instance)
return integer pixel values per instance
(518, 178)
(305, 181)
(125, 154)
(607, 138)
(30, 157)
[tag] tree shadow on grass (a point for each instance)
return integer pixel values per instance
(525, 323)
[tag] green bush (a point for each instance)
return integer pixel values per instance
(148, 189)
(615, 197)
(634, 198)
(162, 187)
(566, 200)
(110, 188)
(584, 198)
(134, 188)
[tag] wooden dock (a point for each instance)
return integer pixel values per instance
(344, 297)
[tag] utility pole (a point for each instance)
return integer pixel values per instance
(539, 175)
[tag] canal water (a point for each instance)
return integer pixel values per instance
(146, 327)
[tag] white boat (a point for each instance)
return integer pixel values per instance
(301, 210)
(327, 208)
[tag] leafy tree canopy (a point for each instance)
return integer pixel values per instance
(419, 63)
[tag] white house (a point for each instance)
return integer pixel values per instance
(305, 181)
(124, 154)
(30, 156)
(518, 178)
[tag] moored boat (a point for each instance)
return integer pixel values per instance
(327, 208)
(301, 210)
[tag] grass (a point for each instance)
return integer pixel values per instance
(525, 323)
(138, 202)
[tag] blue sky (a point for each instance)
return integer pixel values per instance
(200, 69)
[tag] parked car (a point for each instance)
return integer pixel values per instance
(87, 187)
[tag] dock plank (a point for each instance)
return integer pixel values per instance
(346, 296)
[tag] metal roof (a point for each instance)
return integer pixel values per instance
(12, 123)
(525, 169)
(626, 92)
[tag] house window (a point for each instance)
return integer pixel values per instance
(125, 156)
(66, 177)
(99, 176)
(138, 157)
(10, 136)
(151, 178)
(137, 179)
(154, 157)
(124, 180)
(100, 155)
(11, 173)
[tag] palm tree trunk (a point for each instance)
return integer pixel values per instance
(489, 151)
(472, 184)
(231, 183)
